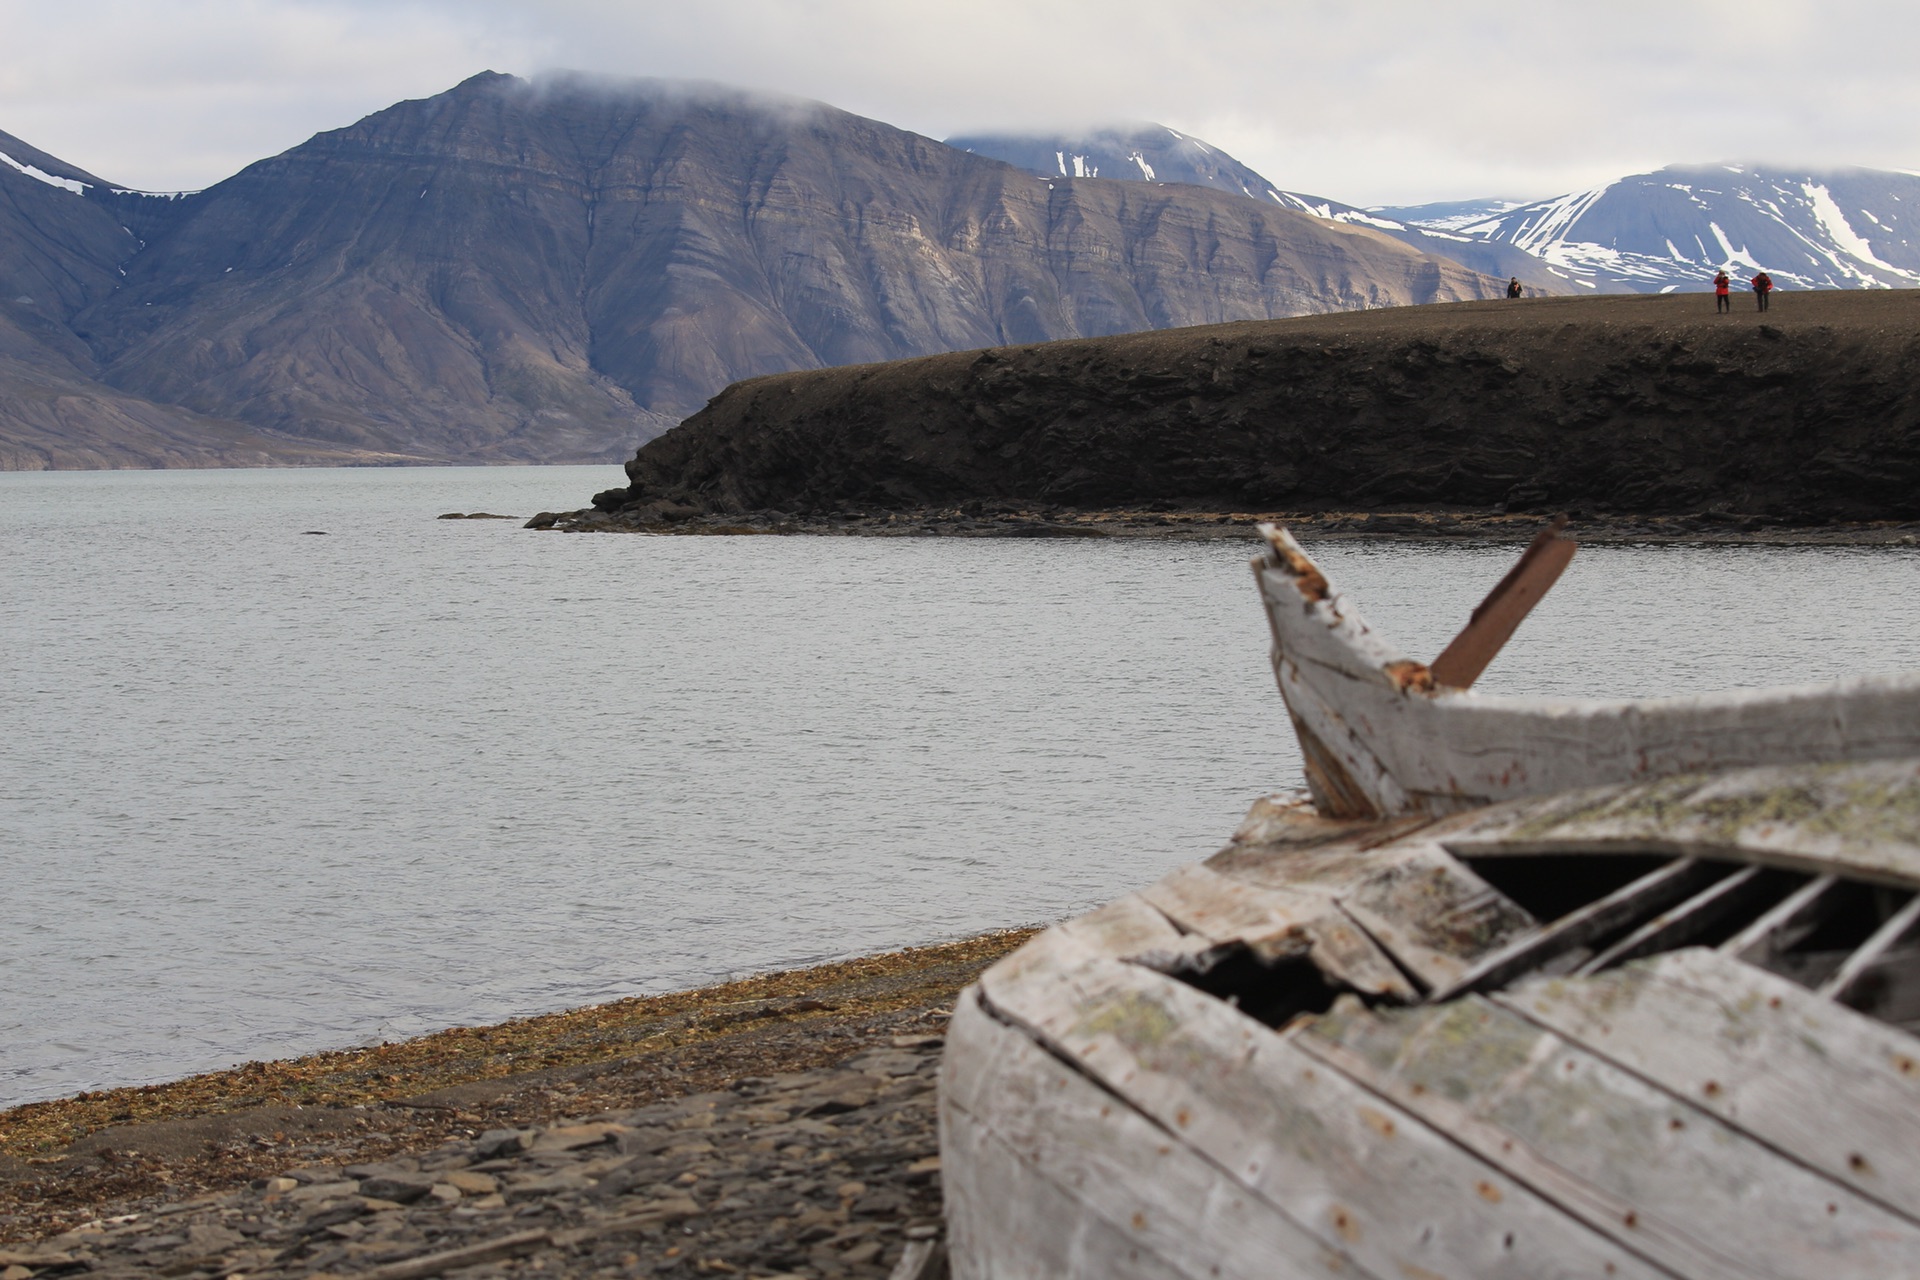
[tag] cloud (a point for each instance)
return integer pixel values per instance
(1390, 100)
(180, 95)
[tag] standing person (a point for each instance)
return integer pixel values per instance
(1762, 286)
(1722, 297)
(1513, 287)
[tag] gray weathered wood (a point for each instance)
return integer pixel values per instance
(1276, 925)
(1778, 927)
(1288, 821)
(1858, 819)
(1895, 929)
(1831, 1087)
(1651, 892)
(1432, 913)
(1380, 738)
(1128, 928)
(1049, 1176)
(1360, 1174)
(921, 1260)
(1682, 1186)
(1682, 924)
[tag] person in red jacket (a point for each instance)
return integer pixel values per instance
(1762, 286)
(1722, 295)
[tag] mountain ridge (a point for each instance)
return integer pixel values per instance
(554, 269)
(1674, 227)
(1151, 152)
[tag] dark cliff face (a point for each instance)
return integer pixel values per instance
(556, 270)
(1635, 404)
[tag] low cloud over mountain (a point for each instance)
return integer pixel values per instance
(557, 269)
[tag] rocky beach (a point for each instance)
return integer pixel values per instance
(780, 1125)
(1016, 520)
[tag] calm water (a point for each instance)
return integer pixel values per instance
(263, 793)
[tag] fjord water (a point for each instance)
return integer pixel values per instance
(264, 792)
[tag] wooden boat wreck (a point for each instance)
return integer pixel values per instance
(1527, 988)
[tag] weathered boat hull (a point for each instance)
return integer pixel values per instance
(1409, 1049)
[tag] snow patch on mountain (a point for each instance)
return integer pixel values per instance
(1657, 232)
(65, 184)
(1840, 232)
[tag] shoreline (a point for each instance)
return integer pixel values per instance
(1012, 519)
(105, 1153)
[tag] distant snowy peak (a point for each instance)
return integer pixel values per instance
(1334, 211)
(1657, 232)
(1140, 152)
(1448, 215)
(1155, 153)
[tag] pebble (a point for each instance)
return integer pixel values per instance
(825, 1173)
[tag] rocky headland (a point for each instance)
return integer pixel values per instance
(1641, 415)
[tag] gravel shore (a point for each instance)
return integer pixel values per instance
(783, 1125)
(1016, 520)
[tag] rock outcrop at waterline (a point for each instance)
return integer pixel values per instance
(1631, 404)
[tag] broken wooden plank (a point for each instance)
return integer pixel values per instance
(1782, 924)
(1130, 927)
(1496, 618)
(1050, 1176)
(1683, 1187)
(1275, 925)
(1682, 924)
(1581, 928)
(1288, 821)
(1894, 930)
(1826, 1085)
(1361, 1175)
(1433, 914)
(1127, 928)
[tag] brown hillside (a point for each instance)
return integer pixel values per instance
(556, 270)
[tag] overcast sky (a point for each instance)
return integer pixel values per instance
(1367, 101)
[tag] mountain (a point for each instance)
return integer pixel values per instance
(556, 269)
(1156, 153)
(1446, 215)
(1668, 230)
(60, 254)
(1144, 152)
